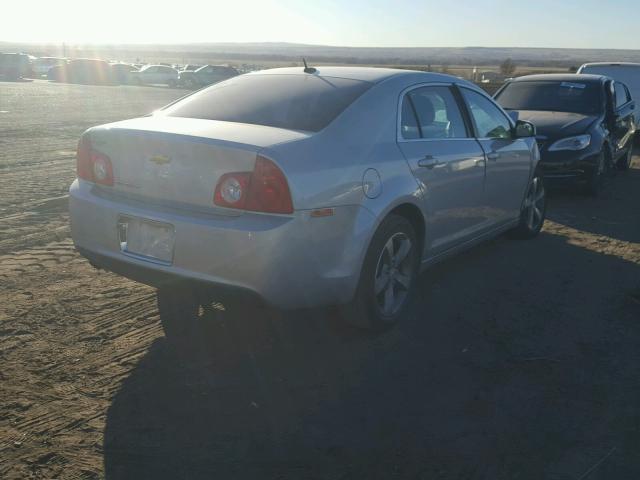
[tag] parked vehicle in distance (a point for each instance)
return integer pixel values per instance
(14, 66)
(42, 65)
(155, 75)
(627, 73)
(584, 124)
(82, 70)
(327, 186)
(206, 75)
(121, 72)
(191, 67)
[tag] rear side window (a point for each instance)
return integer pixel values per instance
(295, 102)
(430, 113)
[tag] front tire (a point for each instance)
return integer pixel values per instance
(625, 162)
(534, 209)
(595, 182)
(388, 277)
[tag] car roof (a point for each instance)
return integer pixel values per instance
(610, 64)
(87, 61)
(561, 77)
(366, 74)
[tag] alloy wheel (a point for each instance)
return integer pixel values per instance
(394, 274)
(534, 204)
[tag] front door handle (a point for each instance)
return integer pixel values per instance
(429, 161)
(493, 156)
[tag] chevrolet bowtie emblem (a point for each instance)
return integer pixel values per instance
(160, 159)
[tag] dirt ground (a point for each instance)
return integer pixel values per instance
(520, 360)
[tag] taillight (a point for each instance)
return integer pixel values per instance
(232, 190)
(102, 169)
(83, 159)
(92, 165)
(263, 190)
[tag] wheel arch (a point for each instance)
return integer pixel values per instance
(409, 208)
(414, 215)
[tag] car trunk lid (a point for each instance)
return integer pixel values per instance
(176, 161)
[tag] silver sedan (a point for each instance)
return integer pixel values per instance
(308, 188)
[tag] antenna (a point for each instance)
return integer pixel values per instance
(308, 69)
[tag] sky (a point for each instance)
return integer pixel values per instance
(358, 23)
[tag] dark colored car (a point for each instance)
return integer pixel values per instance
(206, 75)
(14, 66)
(83, 70)
(585, 124)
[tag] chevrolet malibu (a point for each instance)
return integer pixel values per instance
(307, 188)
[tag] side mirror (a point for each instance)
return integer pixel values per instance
(525, 129)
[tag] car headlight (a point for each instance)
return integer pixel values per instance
(571, 143)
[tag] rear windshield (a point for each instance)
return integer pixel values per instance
(574, 96)
(294, 102)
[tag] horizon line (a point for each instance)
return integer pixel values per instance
(313, 45)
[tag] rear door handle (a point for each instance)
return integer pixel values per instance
(429, 161)
(493, 155)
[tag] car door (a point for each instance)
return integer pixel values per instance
(448, 163)
(167, 74)
(147, 75)
(163, 75)
(623, 126)
(508, 158)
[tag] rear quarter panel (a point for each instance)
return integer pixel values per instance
(327, 169)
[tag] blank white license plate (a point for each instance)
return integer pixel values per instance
(146, 238)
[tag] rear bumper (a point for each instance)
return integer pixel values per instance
(163, 279)
(289, 261)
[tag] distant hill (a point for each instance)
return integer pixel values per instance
(290, 52)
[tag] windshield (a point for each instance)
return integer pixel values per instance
(556, 96)
(295, 102)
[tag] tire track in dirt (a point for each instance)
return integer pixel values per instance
(69, 333)
(37, 258)
(68, 389)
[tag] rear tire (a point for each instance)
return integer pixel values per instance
(388, 277)
(179, 314)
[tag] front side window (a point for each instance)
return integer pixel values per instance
(621, 95)
(487, 118)
(431, 113)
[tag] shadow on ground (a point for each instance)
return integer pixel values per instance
(480, 383)
(596, 215)
(520, 360)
